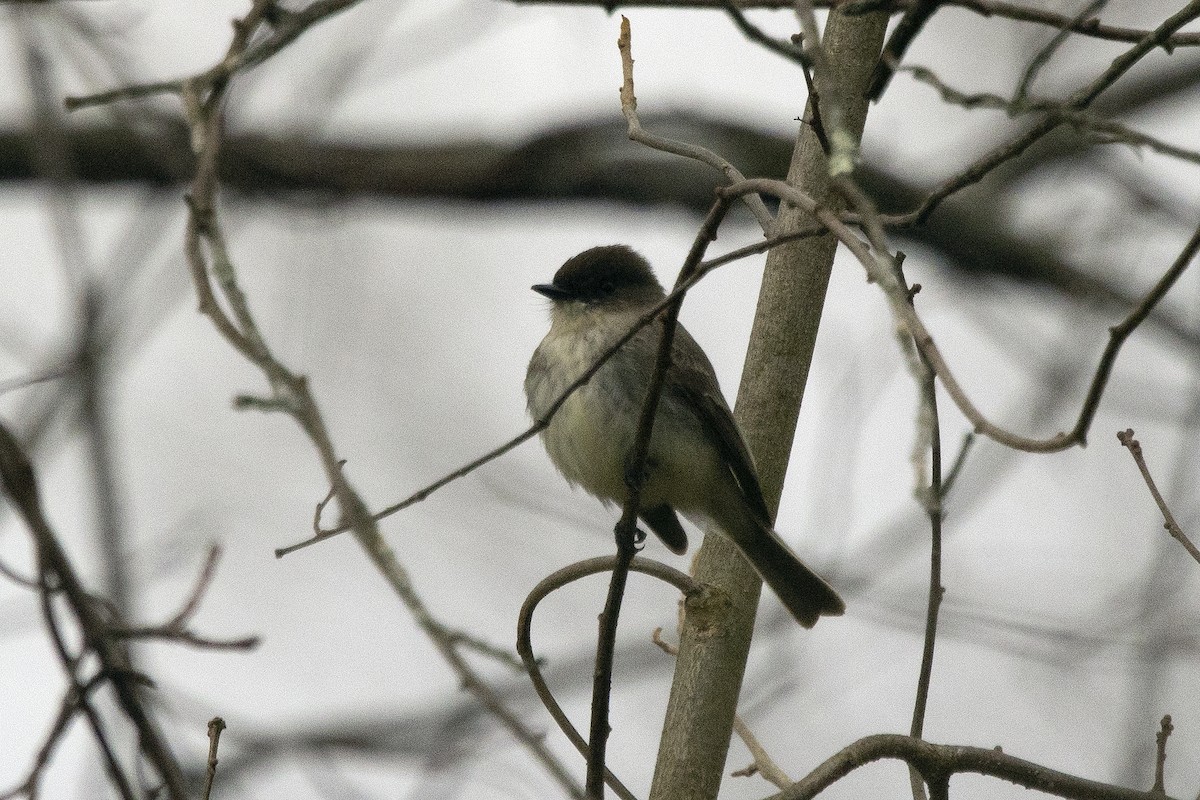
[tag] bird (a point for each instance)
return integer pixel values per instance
(698, 463)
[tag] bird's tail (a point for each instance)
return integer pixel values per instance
(800, 589)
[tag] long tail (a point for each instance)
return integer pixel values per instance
(800, 589)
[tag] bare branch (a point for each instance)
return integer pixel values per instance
(930, 494)
(841, 146)
(1176, 531)
(285, 26)
(762, 764)
(67, 709)
(756, 34)
(626, 529)
(1160, 761)
(937, 763)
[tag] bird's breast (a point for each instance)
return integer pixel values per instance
(589, 437)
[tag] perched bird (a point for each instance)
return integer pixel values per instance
(698, 463)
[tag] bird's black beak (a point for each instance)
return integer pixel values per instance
(551, 291)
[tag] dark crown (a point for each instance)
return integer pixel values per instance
(602, 272)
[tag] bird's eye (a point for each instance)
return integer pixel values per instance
(607, 287)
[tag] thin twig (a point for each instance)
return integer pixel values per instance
(1160, 760)
(67, 709)
(1176, 531)
(285, 27)
(207, 572)
(762, 762)
(952, 475)
(19, 579)
(756, 34)
(906, 30)
(175, 629)
(47, 374)
(1043, 56)
(1035, 14)
(1078, 101)
(215, 726)
(606, 642)
(931, 495)
(686, 149)
(112, 766)
(840, 145)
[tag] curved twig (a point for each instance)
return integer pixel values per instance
(557, 580)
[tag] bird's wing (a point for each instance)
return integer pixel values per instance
(698, 390)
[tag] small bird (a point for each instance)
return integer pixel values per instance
(698, 463)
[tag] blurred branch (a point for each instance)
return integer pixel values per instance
(1043, 56)
(903, 34)
(1176, 531)
(937, 763)
(175, 629)
(100, 636)
(52, 159)
(1078, 101)
(68, 708)
(282, 27)
(591, 161)
(221, 299)
(1114, 132)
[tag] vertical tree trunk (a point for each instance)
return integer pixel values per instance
(716, 635)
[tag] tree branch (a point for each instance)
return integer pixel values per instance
(937, 763)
